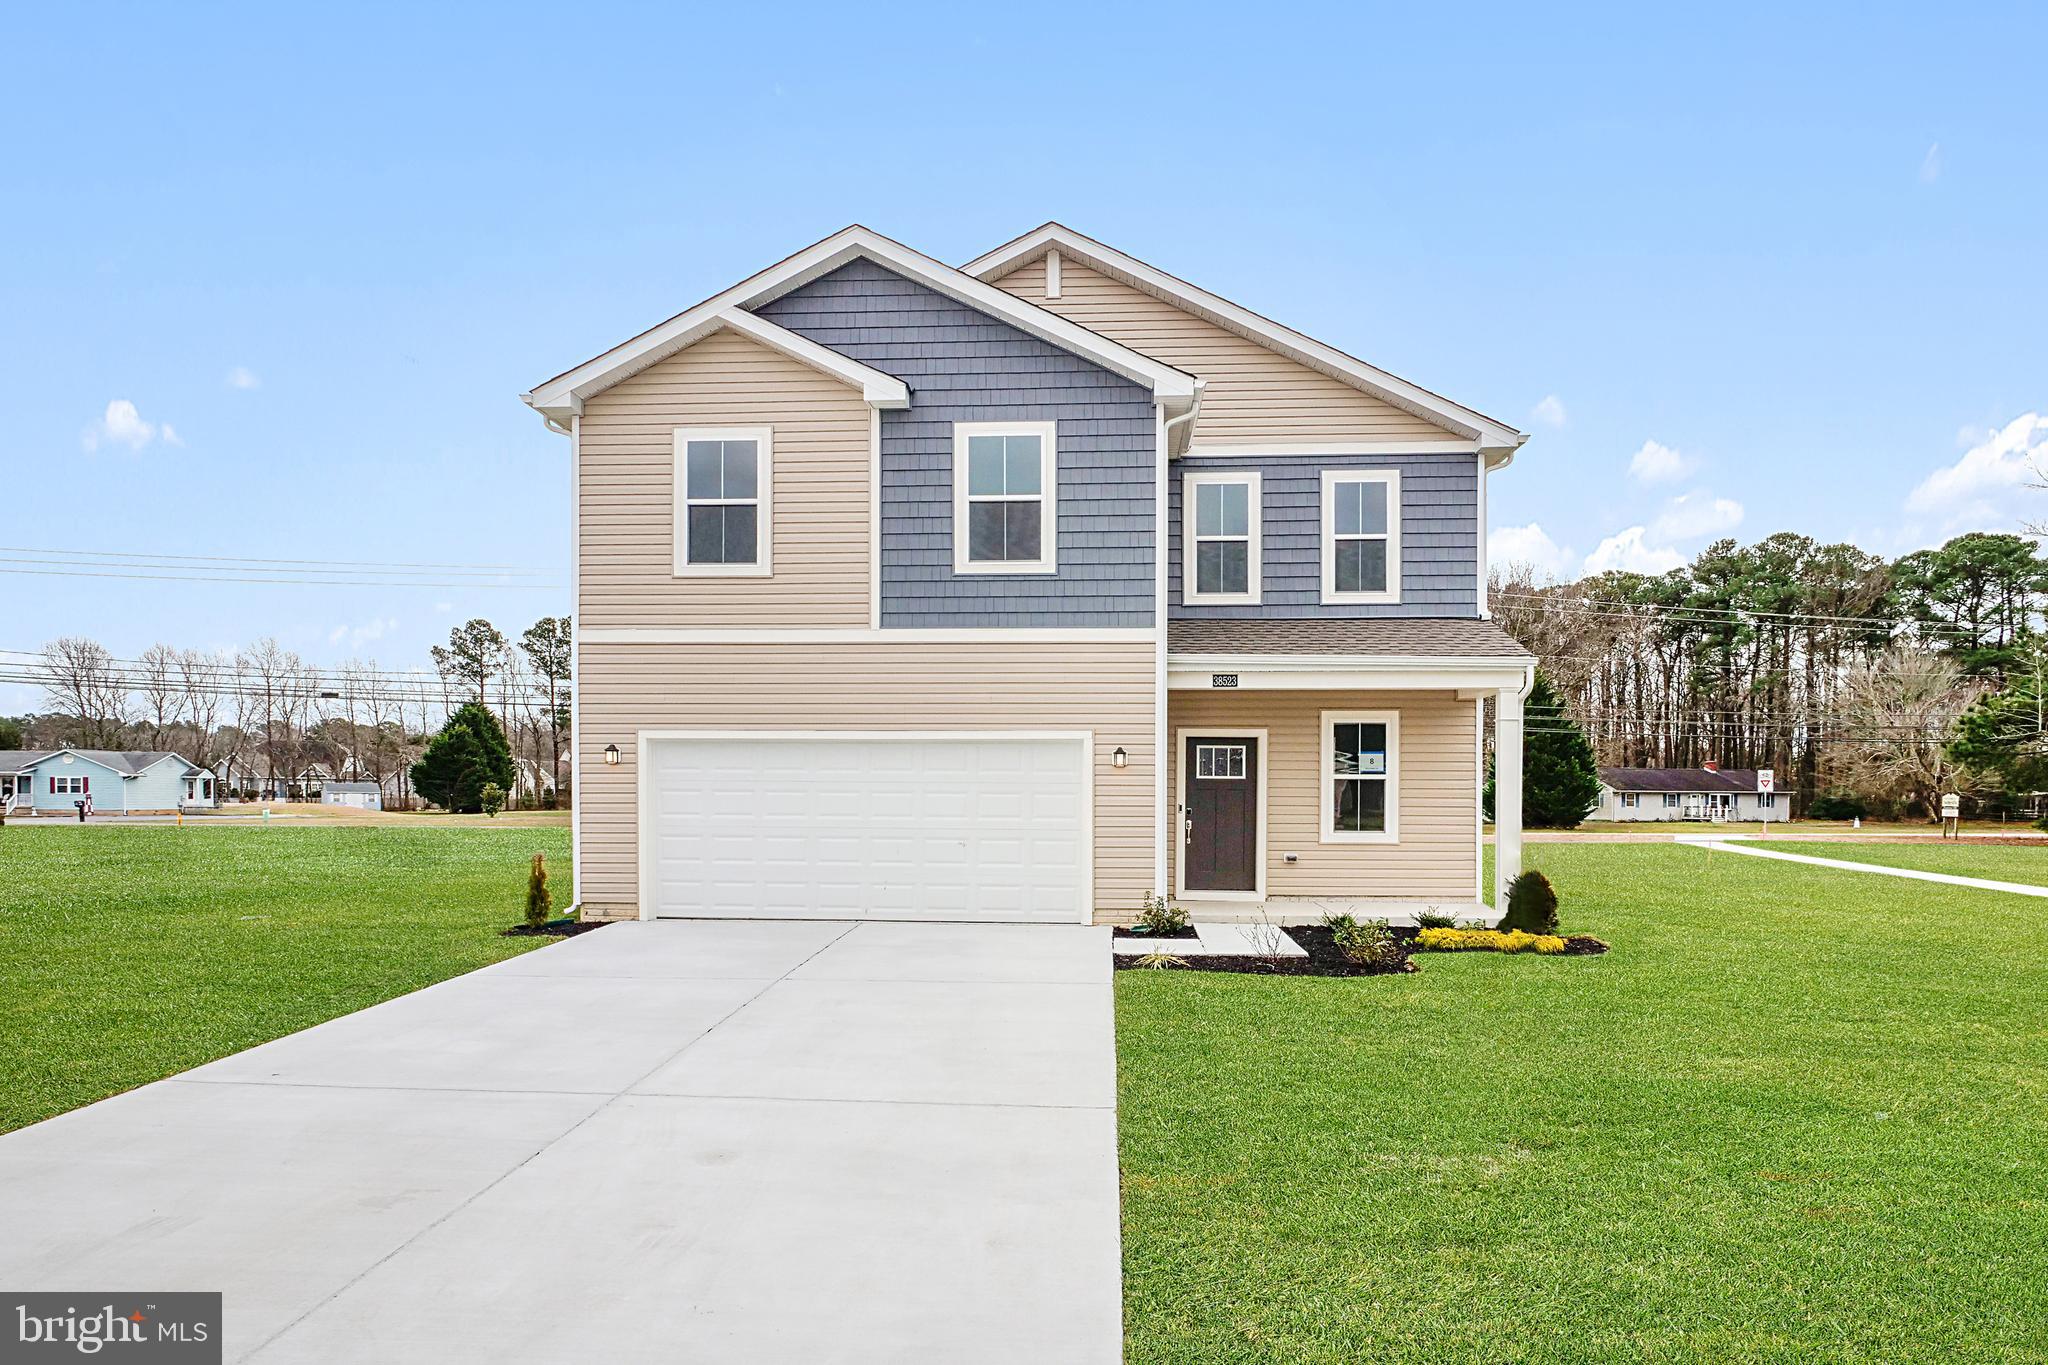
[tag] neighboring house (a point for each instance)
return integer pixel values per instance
(127, 781)
(360, 795)
(1705, 793)
(1020, 591)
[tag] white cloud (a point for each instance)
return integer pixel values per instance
(1550, 412)
(1698, 513)
(1625, 550)
(242, 377)
(1978, 490)
(376, 628)
(1930, 165)
(1530, 545)
(1658, 463)
(171, 436)
(122, 425)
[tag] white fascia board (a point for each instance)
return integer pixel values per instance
(1174, 387)
(878, 390)
(1491, 435)
(1353, 674)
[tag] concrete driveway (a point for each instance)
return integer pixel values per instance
(717, 1141)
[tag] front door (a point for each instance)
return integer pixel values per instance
(1220, 823)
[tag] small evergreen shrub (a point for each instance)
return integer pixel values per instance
(1532, 905)
(1161, 916)
(1837, 806)
(540, 902)
(491, 798)
(1436, 919)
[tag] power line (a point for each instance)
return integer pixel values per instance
(305, 582)
(242, 559)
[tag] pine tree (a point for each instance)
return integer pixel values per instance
(1560, 783)
(469, 752)
(540, 902)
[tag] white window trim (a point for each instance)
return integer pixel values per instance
(1630, 800)
(1254, 540)
(1048, 496)
(1326, 776)
(764, 501)
(1229, 752)
(1392, 479)
(72, 784)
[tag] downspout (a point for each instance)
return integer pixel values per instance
(1166, 824)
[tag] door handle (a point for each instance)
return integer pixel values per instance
(1188, 828)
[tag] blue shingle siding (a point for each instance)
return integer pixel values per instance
(965, 366)
(1439, 535)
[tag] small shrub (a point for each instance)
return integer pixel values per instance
(1368, 944)
(1532, 905)
(491, 798)
(1837, 806)
(1159, 960)
(1266, 937)
(1436, 919)
(540, 902)
(1488, 941)
(1161, 916)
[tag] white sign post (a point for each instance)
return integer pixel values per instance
(1766, 785)
(1951, 815)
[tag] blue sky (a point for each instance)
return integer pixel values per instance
(271, 280)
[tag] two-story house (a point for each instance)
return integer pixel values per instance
(1019, 591)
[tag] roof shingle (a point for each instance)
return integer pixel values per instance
(1420, 637)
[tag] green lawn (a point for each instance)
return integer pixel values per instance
(1795, 1115)
(130, 953)
(2000, 862)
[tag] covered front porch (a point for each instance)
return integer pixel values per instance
(1335, 766)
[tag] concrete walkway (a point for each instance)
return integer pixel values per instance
(1729, 845)
(718, 1141)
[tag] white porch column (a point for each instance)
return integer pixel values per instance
(1507, 793)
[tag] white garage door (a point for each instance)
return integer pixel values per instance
(821, 826)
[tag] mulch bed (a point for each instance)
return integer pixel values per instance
(554, 928)
(1323, 958)
(1185, 931)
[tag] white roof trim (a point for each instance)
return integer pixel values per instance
(878, 389)
(1498, 440)
(563, 395)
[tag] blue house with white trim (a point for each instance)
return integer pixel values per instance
(123, 781)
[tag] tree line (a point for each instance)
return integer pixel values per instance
(1881, 683)
(263, 715)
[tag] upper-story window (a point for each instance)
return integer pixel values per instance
(1005, 497)
(723, 500)
(1361, 535)
(1220, 541)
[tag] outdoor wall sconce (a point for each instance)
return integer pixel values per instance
(1119, 759)
(611, 755)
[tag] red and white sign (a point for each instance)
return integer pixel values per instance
(1766, 780)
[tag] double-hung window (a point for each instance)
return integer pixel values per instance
(1361, 535)
(1361, 777)
(67, 786)
(1220, 538)
(1005, 497)
(1629, 800)
(723, 500)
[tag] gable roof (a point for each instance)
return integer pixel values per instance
(562, 397)
(1679, 779)
(1496, 440)
(126, 762)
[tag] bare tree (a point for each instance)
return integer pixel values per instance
(156, 676)
(546, 645)
(204, 680)
(1897, 716)
(80, 679)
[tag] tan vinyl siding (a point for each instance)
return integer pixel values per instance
(1436, 858)
(868, 684)
(1255, 395)
(821, 492)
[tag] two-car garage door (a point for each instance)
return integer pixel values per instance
(871, 826)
